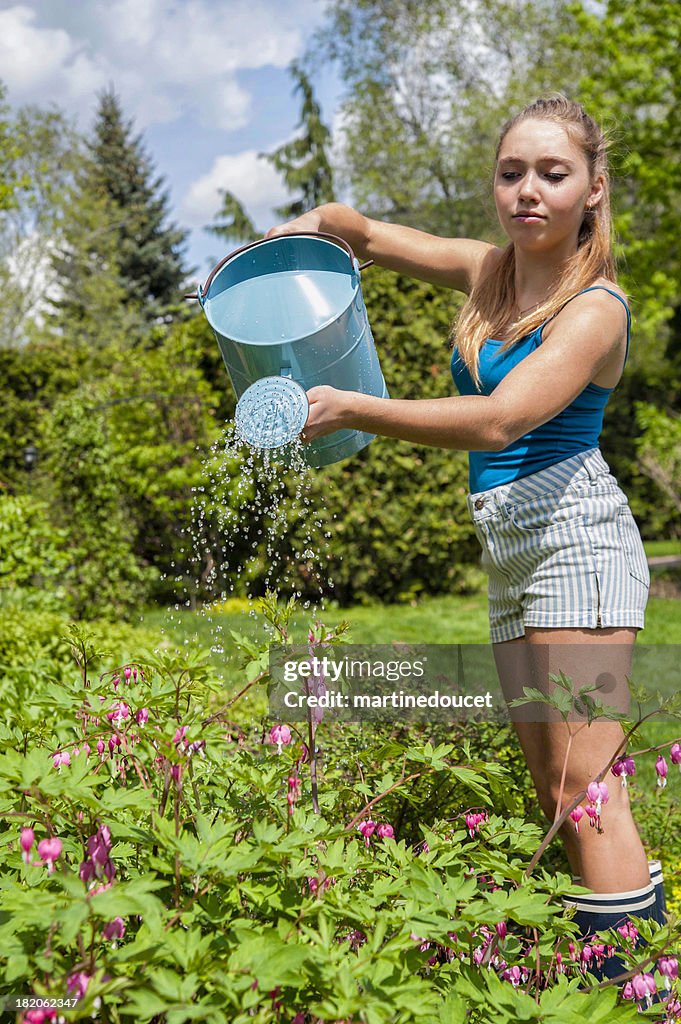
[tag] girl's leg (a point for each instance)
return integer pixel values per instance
(614, 860)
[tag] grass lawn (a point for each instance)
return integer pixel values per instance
(662, 547)
(434, 620)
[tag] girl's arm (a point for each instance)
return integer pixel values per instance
(536, 390)
(452, 262)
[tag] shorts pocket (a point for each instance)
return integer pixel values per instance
(632, 545)
(536, 518)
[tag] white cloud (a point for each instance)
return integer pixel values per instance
(251, 178)
(43, 64)
(165, 58)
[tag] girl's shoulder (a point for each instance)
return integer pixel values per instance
(594, 296)
(604, 283)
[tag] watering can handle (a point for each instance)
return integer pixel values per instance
(290, 234)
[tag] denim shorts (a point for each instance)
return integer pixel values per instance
(561, 549)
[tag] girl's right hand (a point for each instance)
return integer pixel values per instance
(309, 222)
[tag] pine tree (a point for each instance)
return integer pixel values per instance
(116, 230)
(150, 249)
(303, 162)
(233, 223)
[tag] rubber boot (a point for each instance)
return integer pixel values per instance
(599, 911)
(657, 878)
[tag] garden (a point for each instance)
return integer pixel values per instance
(171, 850)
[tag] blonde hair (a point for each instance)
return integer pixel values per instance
(488, 311)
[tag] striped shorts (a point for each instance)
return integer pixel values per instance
(561, 549)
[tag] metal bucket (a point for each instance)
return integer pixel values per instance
(292, 307)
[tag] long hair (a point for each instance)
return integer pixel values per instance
(489, 310)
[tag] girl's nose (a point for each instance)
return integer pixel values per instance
(528, 187)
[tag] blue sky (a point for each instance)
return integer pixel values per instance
(206, 82)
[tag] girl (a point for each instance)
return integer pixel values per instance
(540, 344)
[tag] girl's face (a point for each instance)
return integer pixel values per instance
(541, 187)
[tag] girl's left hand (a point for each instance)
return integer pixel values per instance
(328, 410)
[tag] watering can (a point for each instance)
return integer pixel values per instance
(288, 314)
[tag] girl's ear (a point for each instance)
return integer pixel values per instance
(596, 193)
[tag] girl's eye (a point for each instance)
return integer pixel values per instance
(551, 175)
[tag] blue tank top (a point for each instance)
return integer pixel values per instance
(576, 429)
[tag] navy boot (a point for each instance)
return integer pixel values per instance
(599, 911)
(657, 878)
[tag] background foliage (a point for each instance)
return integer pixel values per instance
(121, 388)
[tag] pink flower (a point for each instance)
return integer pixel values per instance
(293, 793)
(86, 872)
(668, 966)
(178, 738)
(474, 821)
(385, 831)
(593, 815)
(60, 758)
(114, 741)
(281, 735)
(661, 769)
(598, 950)
(576, 814)
(27, 840)
(367, 829)
(644, 987)
(100, 749)
(86, 750)
(628, 931)
(119, 712)
(597, 794)
(127, 672)
(77, 983)
(114, 929)
(48, 851)
(675, 754)
(142, 716)
(99, 862)
(501, 929)
(356, 938)
(625, 766)
(628, 991)
(513, 975)
(41, 1016)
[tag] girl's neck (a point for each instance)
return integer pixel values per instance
(536, 276)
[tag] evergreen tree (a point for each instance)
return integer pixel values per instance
(149, 249)
(118, 228)
(93, 307)
(304, 162)
(233, 223)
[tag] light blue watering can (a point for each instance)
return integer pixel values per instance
(288, 314)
